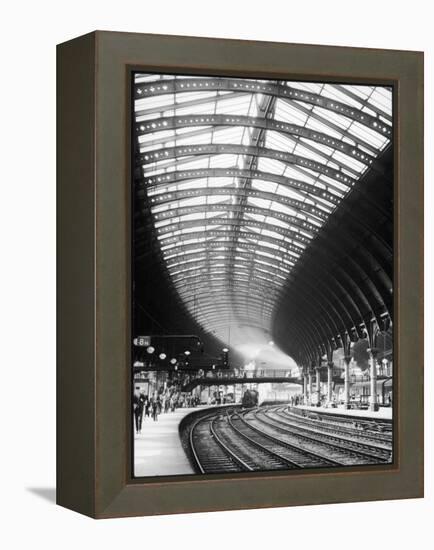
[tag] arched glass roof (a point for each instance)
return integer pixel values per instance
(240, 175)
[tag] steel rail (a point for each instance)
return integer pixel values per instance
(300, 433)
(235, 457)
(284, 413)
(194, 450)
(261, 447)
(315, 455)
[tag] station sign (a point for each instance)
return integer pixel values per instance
(142, 341)
(144, 376)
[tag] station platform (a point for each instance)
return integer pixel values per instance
(158, 450)
(384, 413)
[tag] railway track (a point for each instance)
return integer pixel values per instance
(210, 454)
(353, 452)
(298, 457)
(253, 452)
(381, 440)
(273, 439)
(354, 426)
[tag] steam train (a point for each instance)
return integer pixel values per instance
(250, 399)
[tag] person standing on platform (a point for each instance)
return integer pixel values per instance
(138, 409)
(147, 406)
(143, 398)
(155, 410)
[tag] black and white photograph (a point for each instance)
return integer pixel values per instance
(262, 274)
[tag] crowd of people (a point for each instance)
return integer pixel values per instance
(296, 400)
(160, 401)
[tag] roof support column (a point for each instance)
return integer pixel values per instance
(318, 382)
(347, 361)
(346, 344)
(373, 399)
(330, 347)
(330, 382)
(309, 402)
(304, 387)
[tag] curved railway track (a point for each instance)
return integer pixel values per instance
(210, 454)
(349, 425)
(298, 457)
(347, 432)
(274, 439)
(352, 452)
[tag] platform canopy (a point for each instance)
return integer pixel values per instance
(240, 176)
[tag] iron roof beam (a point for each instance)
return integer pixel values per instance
(214, 270)
(216, 245)
(351, 241)
(334, 127)
(331, 278)
(305, 209)
(363, 101)
(238, 281)
(246, 288)
(360, 222)
(244, 300)
(239, 307)
(176, 212)
(217, 258)
(202, 281)
(309, 311)
(175, 105)
(213, 121)
(305, 190)
(193, 151)
(296, 236)
(248, 235)
(210, 309)
(253, 248)
(143, 90)
(160, 140)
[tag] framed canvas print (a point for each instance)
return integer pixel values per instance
(240, 274)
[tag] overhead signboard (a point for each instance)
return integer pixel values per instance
(143, 341)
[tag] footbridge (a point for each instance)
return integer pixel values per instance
(238, 376)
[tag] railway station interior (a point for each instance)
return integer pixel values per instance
(262, 274)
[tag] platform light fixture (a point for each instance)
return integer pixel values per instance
(162, 356)
(150, 349)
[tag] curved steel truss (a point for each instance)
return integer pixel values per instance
(239, 177)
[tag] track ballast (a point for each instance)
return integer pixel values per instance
(280, 438)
